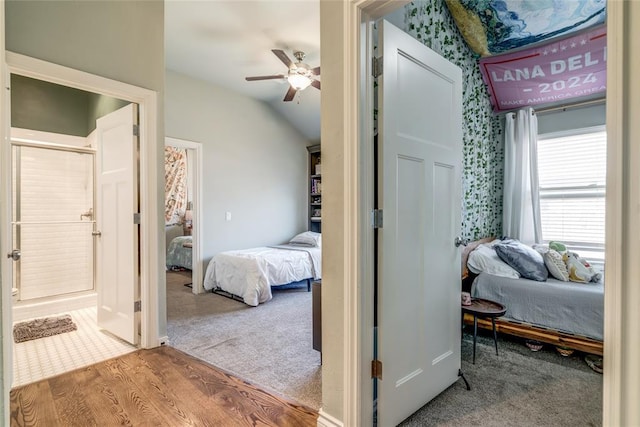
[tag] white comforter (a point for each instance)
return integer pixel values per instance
(250, 273)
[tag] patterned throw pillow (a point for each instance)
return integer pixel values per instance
(555, 264)
(578, 272)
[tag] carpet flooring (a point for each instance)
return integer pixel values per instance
(269, 345)
(516, 388)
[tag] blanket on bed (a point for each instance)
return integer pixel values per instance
(576, 308)
(250, 273)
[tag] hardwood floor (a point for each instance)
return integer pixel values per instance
(159, 387)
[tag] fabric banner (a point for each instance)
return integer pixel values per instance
(556, 72)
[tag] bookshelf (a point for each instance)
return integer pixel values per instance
(315, 189)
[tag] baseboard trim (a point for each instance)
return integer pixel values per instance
(326, 420)
(46, 307)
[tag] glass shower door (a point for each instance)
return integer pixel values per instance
(52, 219)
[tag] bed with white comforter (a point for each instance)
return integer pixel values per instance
(250, 273)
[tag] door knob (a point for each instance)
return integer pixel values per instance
(14, 254)
(460, 241)
(96, 233)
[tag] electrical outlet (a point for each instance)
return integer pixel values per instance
(227, 216)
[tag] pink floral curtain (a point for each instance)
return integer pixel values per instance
(175, 184)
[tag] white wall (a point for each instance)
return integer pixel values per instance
(255, 164)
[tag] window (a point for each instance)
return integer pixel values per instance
(572, 179)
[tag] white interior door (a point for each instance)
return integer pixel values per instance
(117, 234)
(419, 190)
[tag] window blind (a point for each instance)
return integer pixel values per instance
(572, 179)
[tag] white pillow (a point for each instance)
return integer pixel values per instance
(308, 238)
(484, 258)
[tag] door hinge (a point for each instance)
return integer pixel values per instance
(137, 306)
(376, 369)
(136, 218)
(136, 130)
(376, 67)
(376, 218)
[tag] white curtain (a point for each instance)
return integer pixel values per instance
(521, 207)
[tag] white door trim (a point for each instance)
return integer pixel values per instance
(347, 121)
(6, 377)
(622, 294)
(196, 272)
(150, 277)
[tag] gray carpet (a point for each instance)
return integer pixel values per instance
(269, 345)
(517, 388)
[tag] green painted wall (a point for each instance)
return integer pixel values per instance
(430, 22)
(100, 105)
(48, 107)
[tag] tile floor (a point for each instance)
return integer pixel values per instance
(46, 357)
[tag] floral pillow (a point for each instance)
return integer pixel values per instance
(579, 269)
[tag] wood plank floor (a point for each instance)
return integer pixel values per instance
(158, 387)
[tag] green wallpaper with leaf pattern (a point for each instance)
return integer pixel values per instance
(430, 22)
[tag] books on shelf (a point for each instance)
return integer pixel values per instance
(316, 186)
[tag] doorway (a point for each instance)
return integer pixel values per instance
(53, 222)
(24, 66)
(183, 210)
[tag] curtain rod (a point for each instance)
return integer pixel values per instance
(571, 106)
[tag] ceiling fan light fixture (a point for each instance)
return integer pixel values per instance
(298, 81)
(299, 76)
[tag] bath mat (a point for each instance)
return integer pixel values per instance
(44, 327)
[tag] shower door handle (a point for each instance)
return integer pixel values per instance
(14, 254)
(96, 233)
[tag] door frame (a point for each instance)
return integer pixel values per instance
(196, 147)
(149, 200)
(347, 106)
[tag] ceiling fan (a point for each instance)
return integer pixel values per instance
(300, 75)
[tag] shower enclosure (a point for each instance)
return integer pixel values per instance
(53, 220)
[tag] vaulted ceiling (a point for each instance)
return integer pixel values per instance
(223, 42)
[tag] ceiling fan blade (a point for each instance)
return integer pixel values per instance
(315, 71)
(284, 58)
(316, 84)
(290, 94)
(275, 76)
